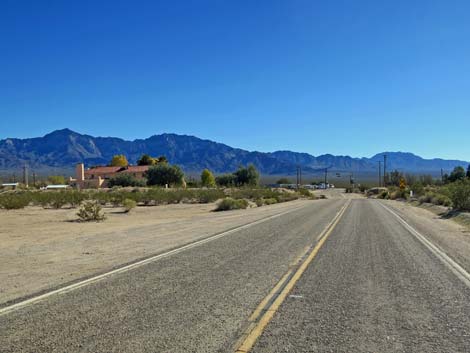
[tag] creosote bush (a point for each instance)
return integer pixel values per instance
(90, 211)
(14, 201)
(304, 192)
(228, 204)
(128, 205)
(460, 195)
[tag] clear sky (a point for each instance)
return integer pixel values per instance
(344, 77)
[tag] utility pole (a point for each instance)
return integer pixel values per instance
(300, 175)
(442, 176)
(34, 178)
(385, 170)
(380, 174)
(25, 175)
(297, 177)
(326, 178)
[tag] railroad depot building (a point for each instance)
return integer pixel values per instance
(97, 177)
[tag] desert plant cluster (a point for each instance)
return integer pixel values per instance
(452, 190)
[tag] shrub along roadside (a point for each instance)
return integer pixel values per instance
(459, 193)
(14, 201)
(145, 197)
(90, 211)
(229, 203)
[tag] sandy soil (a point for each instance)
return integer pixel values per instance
(41, 249)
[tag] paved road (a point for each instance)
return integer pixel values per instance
(195, 301)
(371, 287)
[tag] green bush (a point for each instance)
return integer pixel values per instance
(207, 196)
(384, 195)
(128, 205)
(125, 180)
(90, 211)
(304, 192)
(460, 195)
(259, 202)
(58, 199)
(14, 201)
(231, 204)
(270, 201)
(435, 198)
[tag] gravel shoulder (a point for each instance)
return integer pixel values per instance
(42, 249)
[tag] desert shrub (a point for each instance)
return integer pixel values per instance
(259, 202)
(58, 199)
(164, 174)
(399, 194)
(76, 197)
(304, 192)
(384, 195)
(231, 204)
(101, 197)
(14, 201)
(254, 193)
(207, 196)
(435, 198)
(441, 200)
(460, 195)
(125, 180)
(286, 196)
(90, 211)
(270, 201)
(418, 188)
(128, 205)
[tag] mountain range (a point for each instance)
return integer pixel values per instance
(62, 149)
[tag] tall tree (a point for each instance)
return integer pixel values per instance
(457, 174)
(207, 178)
(145, 159)
(247, 176)
(164, 174)
(468, 171)
(119, 160)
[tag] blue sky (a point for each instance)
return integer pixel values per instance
(344, 77)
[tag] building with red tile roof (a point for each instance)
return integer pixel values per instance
(97, 177)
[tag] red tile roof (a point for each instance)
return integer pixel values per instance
(102, 170)
(136, 169)
(114, 170)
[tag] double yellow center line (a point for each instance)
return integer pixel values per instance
(265, 311)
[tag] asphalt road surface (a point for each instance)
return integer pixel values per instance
(371, 286)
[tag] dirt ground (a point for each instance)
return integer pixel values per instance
(41, 249)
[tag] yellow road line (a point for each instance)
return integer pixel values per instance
(266, 300)
(255, 330)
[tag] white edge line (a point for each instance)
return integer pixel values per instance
(131, 266)
(458, 270)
